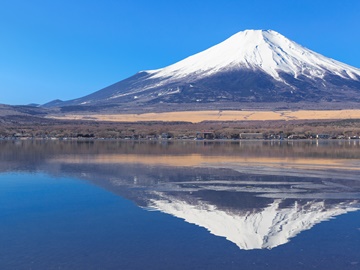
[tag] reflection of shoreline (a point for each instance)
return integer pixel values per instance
(307, 167)
(199, 160)
(270, 227)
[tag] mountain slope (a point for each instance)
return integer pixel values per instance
(250, 67)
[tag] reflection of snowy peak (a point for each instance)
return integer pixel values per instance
(265, 229)
(250, 66)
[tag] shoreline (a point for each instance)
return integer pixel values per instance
(178, 140)
(22, 127)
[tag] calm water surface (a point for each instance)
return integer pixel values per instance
(191, 205)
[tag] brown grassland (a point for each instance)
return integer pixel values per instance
(200, 116)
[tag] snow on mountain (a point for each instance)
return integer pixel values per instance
(252, 66)
(265, 229)
(268, 51)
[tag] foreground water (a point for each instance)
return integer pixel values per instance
(126, 205)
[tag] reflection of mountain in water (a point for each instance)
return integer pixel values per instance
(251, 207)
(258, 229)
(252, 211)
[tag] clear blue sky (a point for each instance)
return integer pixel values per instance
(65, 49)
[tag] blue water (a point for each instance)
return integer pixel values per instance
(52, 222)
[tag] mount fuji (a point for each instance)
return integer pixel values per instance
(251, 67)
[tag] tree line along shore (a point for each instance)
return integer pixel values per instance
(19, 127)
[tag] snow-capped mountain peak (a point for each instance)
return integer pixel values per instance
(252, 66)
(266, 50)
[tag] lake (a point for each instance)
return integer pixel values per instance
(180, 205)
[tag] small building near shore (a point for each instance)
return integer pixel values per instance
(297, 137)
(323, 136)
(251, 136)
(205, 135)
(164, 136)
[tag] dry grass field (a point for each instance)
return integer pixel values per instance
(200, 116)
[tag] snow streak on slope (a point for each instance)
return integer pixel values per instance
(268, 51)
(265, 229)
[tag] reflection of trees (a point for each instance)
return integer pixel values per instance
(41, 150)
